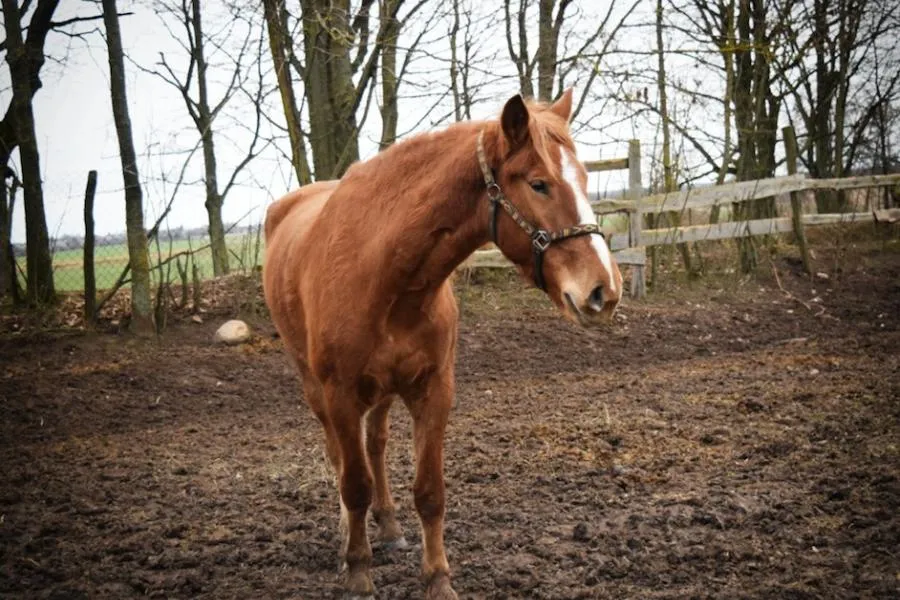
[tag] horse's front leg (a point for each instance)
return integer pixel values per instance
(430, 412)
(383, 510)
(355, 486)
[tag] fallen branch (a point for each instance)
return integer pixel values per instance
(790, 296)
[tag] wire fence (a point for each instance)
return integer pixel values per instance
(166, 259)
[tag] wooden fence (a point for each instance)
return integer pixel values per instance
(629, 247)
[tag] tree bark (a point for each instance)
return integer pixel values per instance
(520, 58)
(389, 76)
(668, 168)
(9, 282)
(328, 79)
(214, 199)
(40, 288)
(756, 109)
(279, 43)
(141, 306)
(549, 27)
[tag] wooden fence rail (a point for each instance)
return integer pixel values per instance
(629, 246)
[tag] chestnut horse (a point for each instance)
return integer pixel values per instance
(356, 278)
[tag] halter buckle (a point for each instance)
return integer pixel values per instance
(541, 240)
(493, 191)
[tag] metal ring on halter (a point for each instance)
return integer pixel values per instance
(493, 191)
(541, 240)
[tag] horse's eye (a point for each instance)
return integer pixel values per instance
(539, 186)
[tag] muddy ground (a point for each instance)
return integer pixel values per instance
(723, 440)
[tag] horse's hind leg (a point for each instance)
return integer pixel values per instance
(315, 399)
(383, 510)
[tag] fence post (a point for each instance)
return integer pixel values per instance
(90, 282)
(790, 150)
(635, 216)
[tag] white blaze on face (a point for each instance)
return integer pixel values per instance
(586, 214)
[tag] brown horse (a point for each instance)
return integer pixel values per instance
(356, 278)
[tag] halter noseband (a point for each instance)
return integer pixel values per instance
(541, 239)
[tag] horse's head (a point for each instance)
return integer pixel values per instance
(541, 218)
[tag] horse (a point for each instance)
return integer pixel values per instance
(357, 280)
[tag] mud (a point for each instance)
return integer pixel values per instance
(721, 441)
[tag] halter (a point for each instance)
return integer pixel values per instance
(541, 239)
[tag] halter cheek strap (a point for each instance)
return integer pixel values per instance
(540, 238)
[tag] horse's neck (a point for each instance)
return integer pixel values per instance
(449, 219)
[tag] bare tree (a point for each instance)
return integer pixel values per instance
(669, 184)
(25, 59)
(194, 85)
(9, 280)
(829, 70)
(555, 25)
(139, 261)
(281, 47)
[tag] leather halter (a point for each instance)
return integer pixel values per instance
(541, 239)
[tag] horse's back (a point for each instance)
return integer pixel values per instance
(300, 206)
(288, 220)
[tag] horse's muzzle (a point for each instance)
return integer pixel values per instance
(597, 309)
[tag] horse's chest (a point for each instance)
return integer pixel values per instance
(406, 357)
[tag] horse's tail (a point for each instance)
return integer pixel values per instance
(279, 209)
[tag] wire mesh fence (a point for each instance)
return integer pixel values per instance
(167, 258)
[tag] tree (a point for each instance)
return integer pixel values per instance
(138, 258)
(553, 69)
(338, 70)
(9, 281)
(668, 167)
(830, 70)
(204, 111)
(281, 47)
(25, 58)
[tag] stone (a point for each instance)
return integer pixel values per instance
(232, 333)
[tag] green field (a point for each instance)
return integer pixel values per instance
(68, 265)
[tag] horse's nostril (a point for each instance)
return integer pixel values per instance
(595, 300)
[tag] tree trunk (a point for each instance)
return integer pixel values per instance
(204, 124)
(279, 43)
(728, 42)
(141, 307)
(390, 27)
(548, 45)
(454, 64)
(756, 111)
(520, 58)
(9, 282)
(668, 170)
(40, 288)
(329, 86)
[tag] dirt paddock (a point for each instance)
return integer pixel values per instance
(721, 441)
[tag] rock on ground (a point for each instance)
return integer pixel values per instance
(232, 332)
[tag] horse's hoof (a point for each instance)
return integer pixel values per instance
(395, 545)
(439, 588)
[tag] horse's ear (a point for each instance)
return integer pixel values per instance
(563, 106)
(514, 121)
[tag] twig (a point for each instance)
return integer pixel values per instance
(787, 294)
(790, 296)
